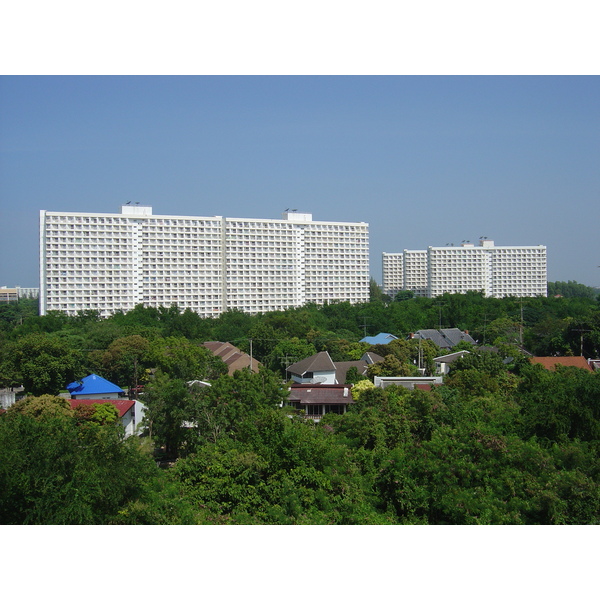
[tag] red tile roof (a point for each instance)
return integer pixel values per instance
(550, 362)
(121, 405)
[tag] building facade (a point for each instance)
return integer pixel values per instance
(496, 271)
(112, 262)
(14, 294)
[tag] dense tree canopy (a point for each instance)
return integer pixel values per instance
(502, 441)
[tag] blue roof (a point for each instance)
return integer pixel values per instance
(93, 384)
(380, 338)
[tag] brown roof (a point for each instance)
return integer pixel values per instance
(320, 394)
(341, 368)
(550, 362)
(233, 357)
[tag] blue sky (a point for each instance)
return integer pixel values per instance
(425, 160)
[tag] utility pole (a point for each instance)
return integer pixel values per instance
(364, 325)
(439, 305)
(581, 331)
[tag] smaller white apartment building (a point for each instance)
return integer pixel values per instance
(497, 271)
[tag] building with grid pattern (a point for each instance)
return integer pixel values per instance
(497, 271)
(112, 262)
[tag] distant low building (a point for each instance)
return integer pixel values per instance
(13, 294)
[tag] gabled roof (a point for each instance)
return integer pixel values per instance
(444, 338)
(371, 358)
(550, 362)
(455, 336)
(93, 384)
(450, 358)
(233, 357)
(320, 394)
(313, 364)
(121, 405)
(380, 338)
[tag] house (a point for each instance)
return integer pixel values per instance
(319, 368)
(442, 363)
(317, 400)
(380, 338)
(233, 357)
(362, 365)
(550, 362)
(443, 338)
(126, 409)
(94, 389)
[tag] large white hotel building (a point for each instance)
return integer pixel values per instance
(497, 271)
(112, 262)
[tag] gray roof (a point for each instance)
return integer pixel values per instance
(450, 358)
(444, 338)
(313, 364)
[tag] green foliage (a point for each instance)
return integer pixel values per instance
(55, 472)
(571, 289)
(125, 360)
(42, 407)
(185, 360)
(501, 442)
(42, 364)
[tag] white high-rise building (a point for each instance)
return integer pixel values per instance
(405, 271)
(393, 273)
(497, 271)
(112, 262)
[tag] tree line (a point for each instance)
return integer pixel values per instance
(502, 441)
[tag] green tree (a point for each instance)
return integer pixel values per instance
(169, 414)
(54, 471)
(126, 360)
(43, 364)
(182, 359)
